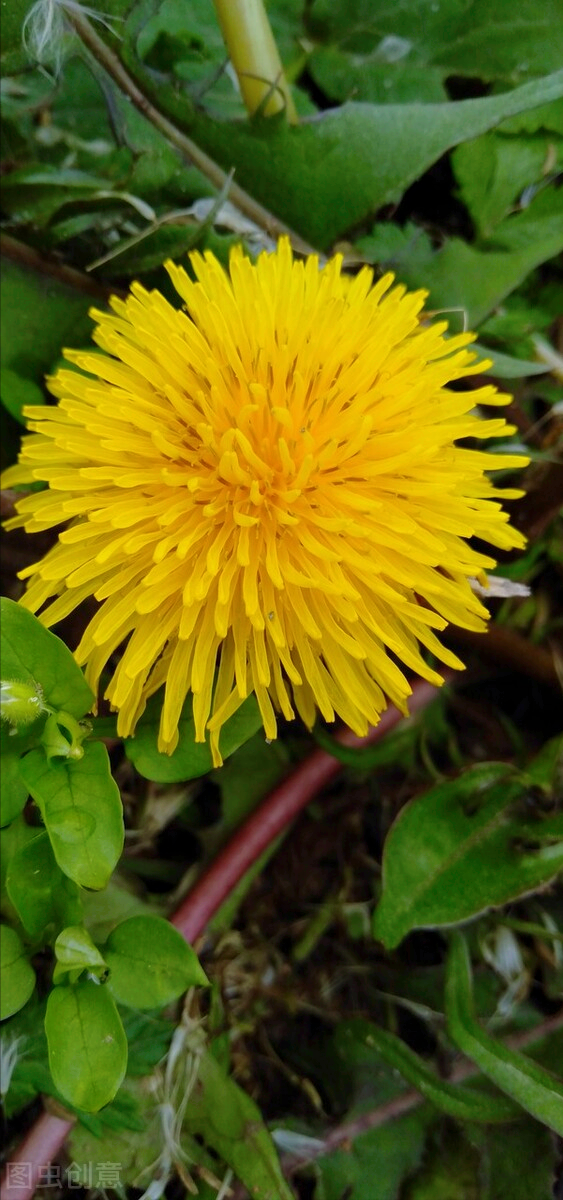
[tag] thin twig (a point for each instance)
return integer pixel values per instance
(219, 178)
(26, 256)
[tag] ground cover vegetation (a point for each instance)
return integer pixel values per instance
(282, 761)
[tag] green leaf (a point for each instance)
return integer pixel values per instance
(87, 1044)
(230, 1122)
(135, 1151)
(32, 654)
(374, 1165)
(471, 279)
(37, 888)
(519, 1162)
(35, 194)
(535, 1089)
(464, 846)
(18, 976)
(12, 838)
(75, 952)
(546, 769)
(494, 171)
(149, 1037)
(187, 40)
(505, 366)
(15, 392)
(463, 1103)
(81, 807)
(352, 1074)
(489, 1163)
(450, 1169)
(14, 57)
(38, 314)
(344, 76)
(492, 40)
(13, 791)
(483, 39)
(325, 176)
(190, 759)
(150, 963)
(477, 280)
(104, 910)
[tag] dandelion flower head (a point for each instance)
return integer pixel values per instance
(263, 491)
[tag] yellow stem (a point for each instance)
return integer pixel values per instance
(254, 55)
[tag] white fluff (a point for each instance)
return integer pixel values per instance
(45, 32)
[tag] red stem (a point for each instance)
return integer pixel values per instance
(46, 1138)
(40, 1146)
(272, 816)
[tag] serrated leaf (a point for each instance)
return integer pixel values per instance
(32, 654)
(329, 174)
(473, 280)
(81, 807)
(87, 1044)
(150, 963)
(461, 848)
(190, 759)
(18, 976)
(535, 1089)
(495, 171)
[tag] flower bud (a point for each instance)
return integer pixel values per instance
(21, 703)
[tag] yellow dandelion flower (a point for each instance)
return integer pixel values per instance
(264, 493)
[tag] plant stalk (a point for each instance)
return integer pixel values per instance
(253, 52)
(273, 816)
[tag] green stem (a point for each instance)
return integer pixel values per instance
(254, 55)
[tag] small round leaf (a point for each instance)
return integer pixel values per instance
(150, 963)
(18, 976)
(87, 1044)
